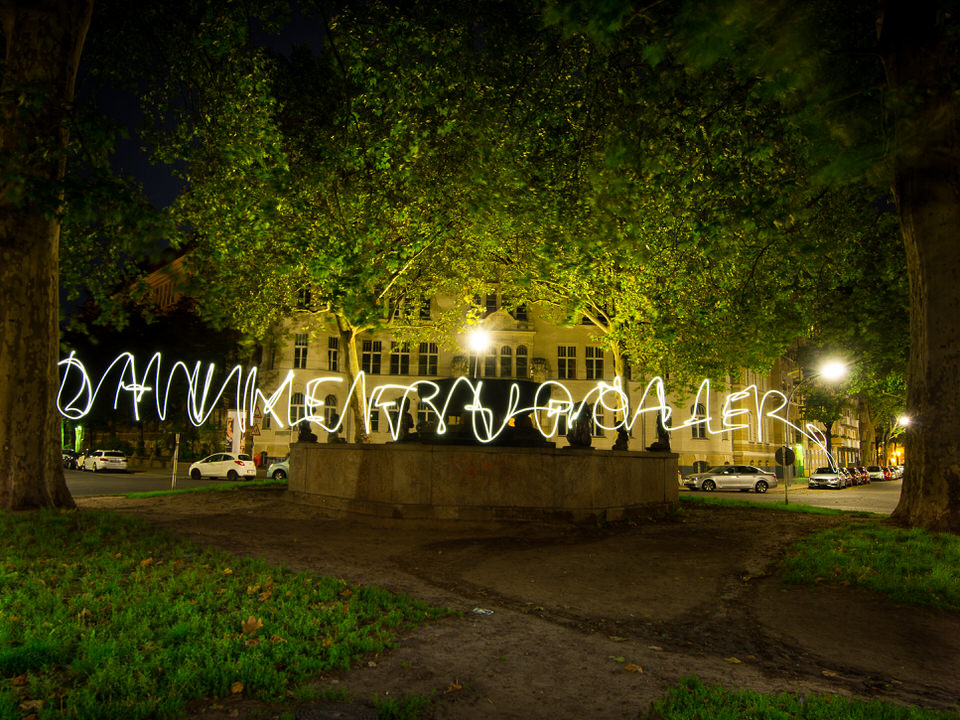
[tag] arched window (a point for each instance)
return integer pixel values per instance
(521, 368)
(698, 432)
(329, 410)
(506, 362)
(297, 407)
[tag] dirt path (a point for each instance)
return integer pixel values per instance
(577, 612)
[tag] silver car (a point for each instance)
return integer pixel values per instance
(827, 477)
(732, 477)
(279, 470)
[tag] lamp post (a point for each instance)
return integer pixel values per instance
(832, 371)
(478, 340)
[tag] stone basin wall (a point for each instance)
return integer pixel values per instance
(432, 483)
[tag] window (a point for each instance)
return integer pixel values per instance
(399, 358)
(491, 302)
(333, 354)
(506, 362)
(698, 432)
(425, 309)
(490, 363)
(329, 410)
(303, 298)
(594, 362)
(700, 466)
(266, 422)
(598, 421)
(374, 421)
(424, 417)
(297, 407)
(428, 359)
(567, 362)
(521, 361)
(370, 357)
(520, 313)
(300, 351)
(561, 425)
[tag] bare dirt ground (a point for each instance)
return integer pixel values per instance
(585, 622)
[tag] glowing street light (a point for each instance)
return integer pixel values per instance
(831, 371)
(479, 341)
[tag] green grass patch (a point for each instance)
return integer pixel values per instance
(913, 566)
(408, 707)
(104, 616)
(220, 487)
(711, 499)
(693, 699)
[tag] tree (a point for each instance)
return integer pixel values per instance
(340, 183)
(43, 42)
(879, 109)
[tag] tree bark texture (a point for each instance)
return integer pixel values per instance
(348, 339)
(920, 63)
(44, 39)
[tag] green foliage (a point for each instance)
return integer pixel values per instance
(761, 507)
(101, 615)
(692, 698)
(407, 707)
(915, 566)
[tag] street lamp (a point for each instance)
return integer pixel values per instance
(479, 341)
(833, 370)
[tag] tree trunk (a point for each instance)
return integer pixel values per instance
(348, 339)
(868, 434)
(920, 63)
(44, 39)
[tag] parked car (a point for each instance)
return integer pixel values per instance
(100, 460)
(895, 472)
(224, 465)
(859, 476)
(732, 477)
(69, 459)
(827, 477)
(876, 472)
(279, 470)
(864, 474)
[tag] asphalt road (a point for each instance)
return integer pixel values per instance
(90, 483)
(877, 497)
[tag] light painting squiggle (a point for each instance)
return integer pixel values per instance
(77, 396)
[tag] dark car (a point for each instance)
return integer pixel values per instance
(70, 459)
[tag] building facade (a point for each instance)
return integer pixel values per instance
(523, 344)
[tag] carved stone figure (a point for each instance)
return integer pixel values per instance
(305, 434)
(579, 435)
(623, 440)
(662, 443)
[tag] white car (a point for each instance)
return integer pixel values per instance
(224, 465)
(104, 460)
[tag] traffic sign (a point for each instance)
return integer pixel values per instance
(791, 456)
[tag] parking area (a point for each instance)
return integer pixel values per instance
(877, 497)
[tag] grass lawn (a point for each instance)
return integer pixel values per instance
(104, 616)
(914, 566)
(692, 699)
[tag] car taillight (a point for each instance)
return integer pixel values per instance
(238, 462)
